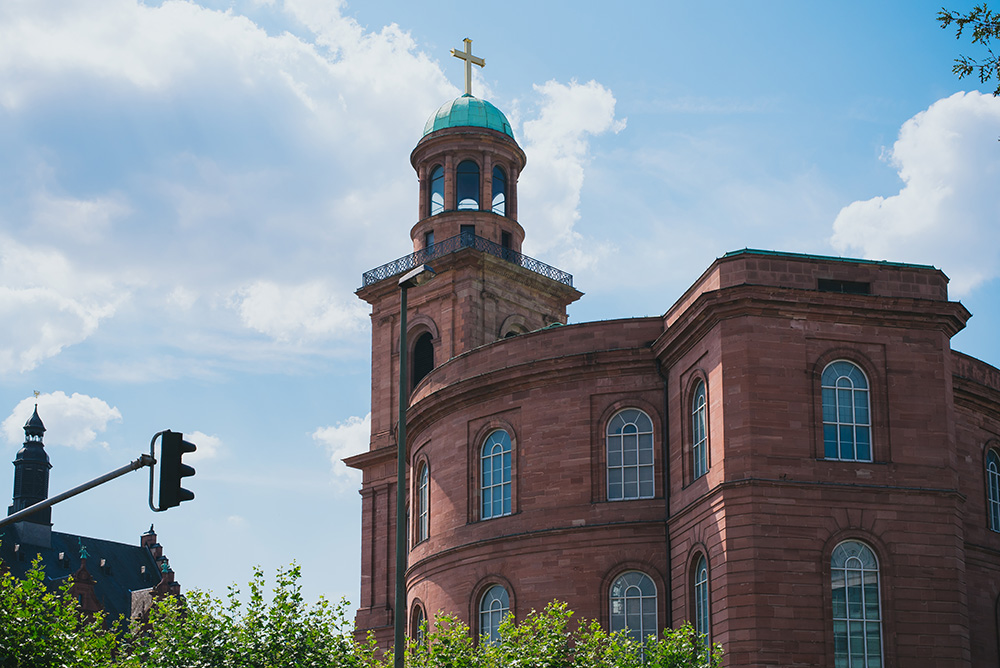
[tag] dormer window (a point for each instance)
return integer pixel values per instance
(499, 191)
(467, 182)
(437, 191)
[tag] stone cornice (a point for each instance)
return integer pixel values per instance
(710, 308)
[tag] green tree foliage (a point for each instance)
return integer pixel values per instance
(985, 27)
(265, 632)
(545, 640)
(40, 628)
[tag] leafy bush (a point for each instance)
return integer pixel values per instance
(45, 629)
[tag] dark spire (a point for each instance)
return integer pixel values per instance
(31, 472)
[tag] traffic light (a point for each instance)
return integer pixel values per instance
(172, 470)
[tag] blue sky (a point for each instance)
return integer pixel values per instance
(189, 193)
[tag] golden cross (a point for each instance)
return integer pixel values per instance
(470, 60)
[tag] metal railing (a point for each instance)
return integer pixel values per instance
(455, 244)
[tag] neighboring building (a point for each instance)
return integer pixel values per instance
(792, 457)
(120, 580)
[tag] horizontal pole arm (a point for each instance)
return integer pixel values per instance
(143, 460)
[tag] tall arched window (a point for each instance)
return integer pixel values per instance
(846, 413)
(467, 185)
(499, 191)
(423, 502)
(630, 456)
(633, 605)
(702, 606)
(857, 613)
(437, 191)
(493, 607)
(417, 620)
(993, 488)
(699, 432)
(423, 358)
(495, 460)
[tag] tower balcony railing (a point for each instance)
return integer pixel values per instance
(455, 244)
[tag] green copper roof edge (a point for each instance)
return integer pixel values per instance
(831, 258)
(468, 111)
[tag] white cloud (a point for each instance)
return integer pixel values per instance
(209, 447)
(73, 421)
(948, 209)
(557, 146)
(347, 438)
(299, 312)
(53, 302)
(87, 220)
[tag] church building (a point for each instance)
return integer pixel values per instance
(792, 457)
(117, 579)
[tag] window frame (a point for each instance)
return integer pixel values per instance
(992, 473)
(838, 425)
(422, 502)
(505, 487)
(461, 185)
(639, 467)
(701, 592)
(435, 179)
(864, 607)
(619, 621)
(486, 618)
(699, 429)
(502, 204)
(417, 617)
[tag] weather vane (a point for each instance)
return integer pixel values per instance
(470, 60)
(37, 393)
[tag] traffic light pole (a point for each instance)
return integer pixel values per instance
(143, 460)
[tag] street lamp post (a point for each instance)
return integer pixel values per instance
(410, 279)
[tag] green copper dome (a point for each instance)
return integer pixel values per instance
(468, 111)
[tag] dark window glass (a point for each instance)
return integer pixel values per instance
(857, 620)
(846, 413)
(993, 488)
(428, 239)
(437, 190)
(467, 180)
(499, 192)
(423, 357)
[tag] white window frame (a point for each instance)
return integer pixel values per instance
(857, 614)
(495, 458)
(633, 597)
(699, 430)
(494, 606)
(846, 405)
(630, 451)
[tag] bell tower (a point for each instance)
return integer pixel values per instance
(485, 290)
(31, 483)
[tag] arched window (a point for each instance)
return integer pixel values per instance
(699, 432)
(499, 191)
(702, 606)
(630, 456)
(496, 475)
(993, 488)
(437, 191)
(857, 615)
(423, 502)
(417, 620)
(633, 605)
(846, 414)
(467, 183)
(493, 607)
(423, 358)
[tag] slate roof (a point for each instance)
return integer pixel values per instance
(117, 567)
